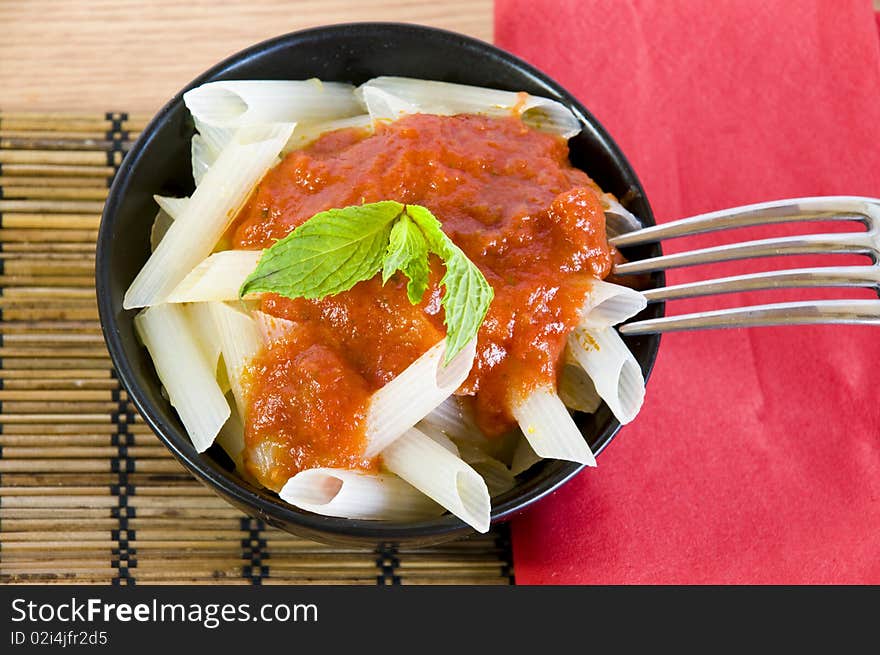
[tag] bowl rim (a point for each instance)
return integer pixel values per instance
(260, 501)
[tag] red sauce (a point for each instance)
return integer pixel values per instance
(293, 422)
(506, 194)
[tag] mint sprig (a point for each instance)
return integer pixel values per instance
(407, 252)
(336, 249)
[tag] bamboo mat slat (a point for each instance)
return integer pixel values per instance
(88, 494)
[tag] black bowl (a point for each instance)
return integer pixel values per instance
(160, 163)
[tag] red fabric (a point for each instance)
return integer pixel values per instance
(756, 458)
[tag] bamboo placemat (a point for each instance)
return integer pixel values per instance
(87, 493)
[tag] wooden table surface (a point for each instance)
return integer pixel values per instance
(99, 55)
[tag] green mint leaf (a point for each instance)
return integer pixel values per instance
(329, 253)
(408, 253)
(467, 295)
(465, 301)
(431, 229)
(336, 249)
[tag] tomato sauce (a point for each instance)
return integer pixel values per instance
(505, 194)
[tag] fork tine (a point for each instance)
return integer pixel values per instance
(859, 242)
(845, 208)
(849, 208)
(866, 312)
(827, 276)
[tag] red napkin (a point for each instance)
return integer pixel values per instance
(756, 457)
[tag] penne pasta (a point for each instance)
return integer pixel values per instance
(169, 209)
(237, 103)
(452, 417)
(216, 138)
(219, 277)
(207, 214)
(187, 377)
(496, 475)
(202, 158)
(549, 428)
(231, 440)
(207, 145)
(440, 475)
(172, 206)
(262, 459)
(609, 304)
(389, 98)
(524, 457)
(272, 328)
(306, 133)
(439, 437)
(613, 369)
(161, 225)
(357, 495)
(419, 389)
(210, 140)
(576, 390)
(240, 340)
(618, 219)
(201, 325)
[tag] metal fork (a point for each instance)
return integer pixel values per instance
(837, 208)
